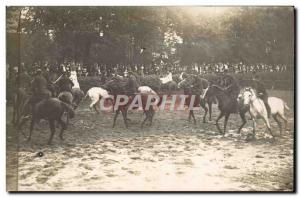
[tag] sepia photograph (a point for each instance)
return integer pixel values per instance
(150, 98)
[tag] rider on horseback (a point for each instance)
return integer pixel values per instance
(261, 92)
(133, 83)
(65, 83)
(231, 85)
(39, 88)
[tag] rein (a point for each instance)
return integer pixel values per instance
(57, 79)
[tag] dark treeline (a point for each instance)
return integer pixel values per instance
(170, 35)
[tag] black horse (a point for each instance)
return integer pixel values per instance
(194, 85)
(122, 86)
(151, 81)
(78, 95)
(52, 110)
(227, 104)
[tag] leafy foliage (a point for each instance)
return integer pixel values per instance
(114, 35)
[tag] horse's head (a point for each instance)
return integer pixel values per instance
(78, 96)
(246, 96)
(110, 85)
(187, 83)
(212, 90)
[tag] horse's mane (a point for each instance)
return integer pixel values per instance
(218, 87)
(126, 85)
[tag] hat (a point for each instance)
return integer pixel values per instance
(38, 71)
(184, 75)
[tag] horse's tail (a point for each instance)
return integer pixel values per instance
(286, 106)
(68, 108)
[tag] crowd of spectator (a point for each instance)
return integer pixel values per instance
(104, 70)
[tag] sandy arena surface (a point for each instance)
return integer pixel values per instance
(173, 154)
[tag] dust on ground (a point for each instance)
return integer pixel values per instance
(173, 154)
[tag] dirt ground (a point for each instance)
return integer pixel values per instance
(173, 154)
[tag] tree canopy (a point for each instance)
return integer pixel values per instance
(188, 35)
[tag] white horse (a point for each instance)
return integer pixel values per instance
(73, 78)
(257, 108)
(95, 94)
(146, 90)
(166, 79)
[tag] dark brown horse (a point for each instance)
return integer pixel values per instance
(78, 95)
(227, 104)
(151, 81)
(52, 110)
(194, 85)
(66, 97)
(122, 86)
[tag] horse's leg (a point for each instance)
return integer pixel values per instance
(127, 119)
(266, 120)
(284, 119)
(95, 107)
(67, 123)
(278, 122)
(23, 121)
(242, 115)
(31, 127)
(152, 115)
(63, 127)
(146, 118)
(124, 117)
(94, 101)
(210, 109)
(192, 113)
(115, 118)
(254, 126)
(52, 130)
(98, 106)
(202, 104)
(225, 122)
(217, 121)
(23, 118)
